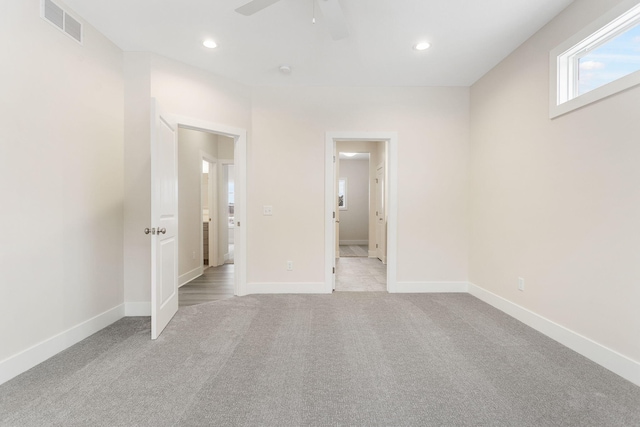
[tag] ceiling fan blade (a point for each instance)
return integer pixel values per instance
(334, 17)
(255, 6)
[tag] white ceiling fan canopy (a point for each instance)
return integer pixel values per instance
(331, 10)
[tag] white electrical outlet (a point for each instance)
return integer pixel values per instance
(267, 210)
(289, 265)
(520, 284)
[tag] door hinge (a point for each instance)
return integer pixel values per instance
(334, 159)
(376, 246)
(376, 180)
(334, 270)
(334, 214)
(238, 223)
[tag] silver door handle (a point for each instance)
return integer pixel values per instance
(162, 230)
(149, 231)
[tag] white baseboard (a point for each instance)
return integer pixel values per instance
(133, 309)
(38, 353)
(189, 276)
(287, 288)
(429, 287)
(373, 254)
(603, 356)
(354, 242)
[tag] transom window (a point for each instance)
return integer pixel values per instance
(609, 61)
(601, 60)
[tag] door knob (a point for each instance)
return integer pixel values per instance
(162, 230)
(149, 231)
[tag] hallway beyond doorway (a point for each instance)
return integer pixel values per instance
(216, 283)
(354, 250)
(359, 274)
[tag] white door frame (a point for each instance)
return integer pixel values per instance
(240, 161)
(391, 138)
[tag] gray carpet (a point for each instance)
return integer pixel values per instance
(345, 359)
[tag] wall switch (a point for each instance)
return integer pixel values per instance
(289, 265)
(520, 284)
(267, 210)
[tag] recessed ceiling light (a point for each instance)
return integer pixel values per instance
(285, 69)
(422, 46)
(210, 44)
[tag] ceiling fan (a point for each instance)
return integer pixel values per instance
(331, 10)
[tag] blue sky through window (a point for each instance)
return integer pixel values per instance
(617, 58)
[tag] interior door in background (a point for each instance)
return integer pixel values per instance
(381, 220)
(164, 219)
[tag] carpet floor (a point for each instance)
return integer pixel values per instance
(357, 359)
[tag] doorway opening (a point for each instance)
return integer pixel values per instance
(228, 207)
(206, 216)
(360, 265)
(360, 234)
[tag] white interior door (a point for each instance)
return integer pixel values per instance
(164, 219)
(381, 224)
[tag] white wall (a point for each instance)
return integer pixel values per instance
(556, 201)
(181, 90)
(354, 221)
(61, 179)
(286, 170)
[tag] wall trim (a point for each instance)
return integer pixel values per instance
(373, 254)
(287, 288)
(430, 287)
(38, 353)
(135, 309)
(354, 242)
(610, 359)
(190, 275)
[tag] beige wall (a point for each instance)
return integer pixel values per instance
(286, 170)
(61, 178)
(354, 221)
(556, 201)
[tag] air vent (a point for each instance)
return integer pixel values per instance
(62, 20)
(54, 14)
(73, 27)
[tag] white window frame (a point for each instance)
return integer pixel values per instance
(564, 60)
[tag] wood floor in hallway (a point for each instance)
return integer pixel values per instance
(215, 284)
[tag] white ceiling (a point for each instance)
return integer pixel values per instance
(468, 37)
(358, 156)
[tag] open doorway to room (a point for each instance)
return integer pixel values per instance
(204, 161)
(361, 225)
(228, 208)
